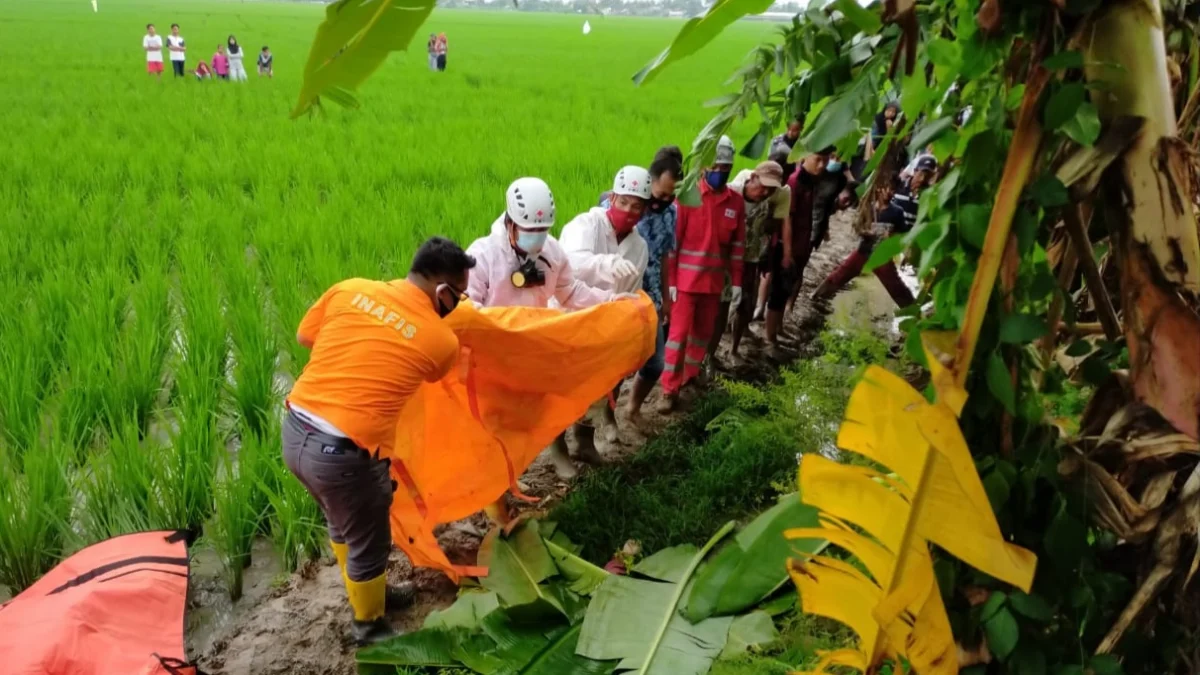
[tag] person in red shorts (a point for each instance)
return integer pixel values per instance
(152, 44)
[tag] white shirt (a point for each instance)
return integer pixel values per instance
(154, 44)
(490, 283)
(591, 246)
(176, 41)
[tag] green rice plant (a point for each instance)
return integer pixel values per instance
(118, 486)
(255, 351)
(203, 350)
(296, 522)
(191, 465)
(143, 347)
(35, 512)
(25, 368)
(235, 519)
(91, 334)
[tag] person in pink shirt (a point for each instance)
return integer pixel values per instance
(220, 63)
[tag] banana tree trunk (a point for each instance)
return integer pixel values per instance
(1147, 200)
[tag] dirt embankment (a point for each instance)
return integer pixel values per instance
(300, 627)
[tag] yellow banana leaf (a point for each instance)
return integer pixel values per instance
(836, 590)
(888, 524)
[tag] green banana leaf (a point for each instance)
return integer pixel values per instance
(518, 566)
(755, 629)
(467, 611)
(422, 648)
(352, 42)
(699, 31)
(638, 622)
(668, 564)
(754, 564)
(585, 577)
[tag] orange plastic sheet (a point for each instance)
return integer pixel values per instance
(523, 376)
(114, 607)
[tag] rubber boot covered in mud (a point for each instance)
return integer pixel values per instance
(368, 599)
(396, 598)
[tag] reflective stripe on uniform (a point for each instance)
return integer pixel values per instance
(701, 268)
(699, 254)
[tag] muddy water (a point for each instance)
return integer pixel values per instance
(866, 305)
(210, 610)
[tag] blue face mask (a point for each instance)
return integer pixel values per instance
(833, 167)
(716, 179)
(531, 242)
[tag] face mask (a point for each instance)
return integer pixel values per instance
(716, 179)
(659, 205)
(447, 291)
(531, 242)
(833, 167)
(623, 222)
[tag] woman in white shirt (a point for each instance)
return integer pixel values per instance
(237, 71)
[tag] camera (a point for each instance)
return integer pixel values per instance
(528, 275)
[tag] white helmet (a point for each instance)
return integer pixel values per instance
(725, 151)
(632, 180)
(530, 203)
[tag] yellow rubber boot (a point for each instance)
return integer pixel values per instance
(341, 552)
(368, 600)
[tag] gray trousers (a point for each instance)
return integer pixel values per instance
(353, 489)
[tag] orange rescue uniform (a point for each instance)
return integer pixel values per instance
(374, 344)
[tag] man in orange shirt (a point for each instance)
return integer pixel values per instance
(374, 343)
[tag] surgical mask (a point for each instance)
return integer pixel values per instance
(531, 242)
(716, 179)
(623, 222)
(833, 167)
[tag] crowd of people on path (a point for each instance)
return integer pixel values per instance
(740, 253)
(437, 51)
(227, 62)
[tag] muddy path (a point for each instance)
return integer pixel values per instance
(298, 624)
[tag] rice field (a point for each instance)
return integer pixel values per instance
(161, 239)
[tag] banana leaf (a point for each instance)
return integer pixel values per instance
(668, 564)
(518, 566)
(638, 622)
(755, 629)
(352, 42)
(433, 647)
(585, 577)
(467, 611)
(753, 565)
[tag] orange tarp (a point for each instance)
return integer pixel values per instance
(523, 376)
(114, 607)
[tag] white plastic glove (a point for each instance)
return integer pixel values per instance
(674, 294)
(735, 300)
(623, 269)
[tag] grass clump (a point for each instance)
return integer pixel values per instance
(729, 459)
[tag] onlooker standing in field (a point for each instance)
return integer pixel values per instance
(441, 48)
(374, 343)
(266, 62)
(152, 44)
(768, 210)
(431, 47)
(657, 228)
(237, 70)
(710, 247)
(221, 63)
(178, 49)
